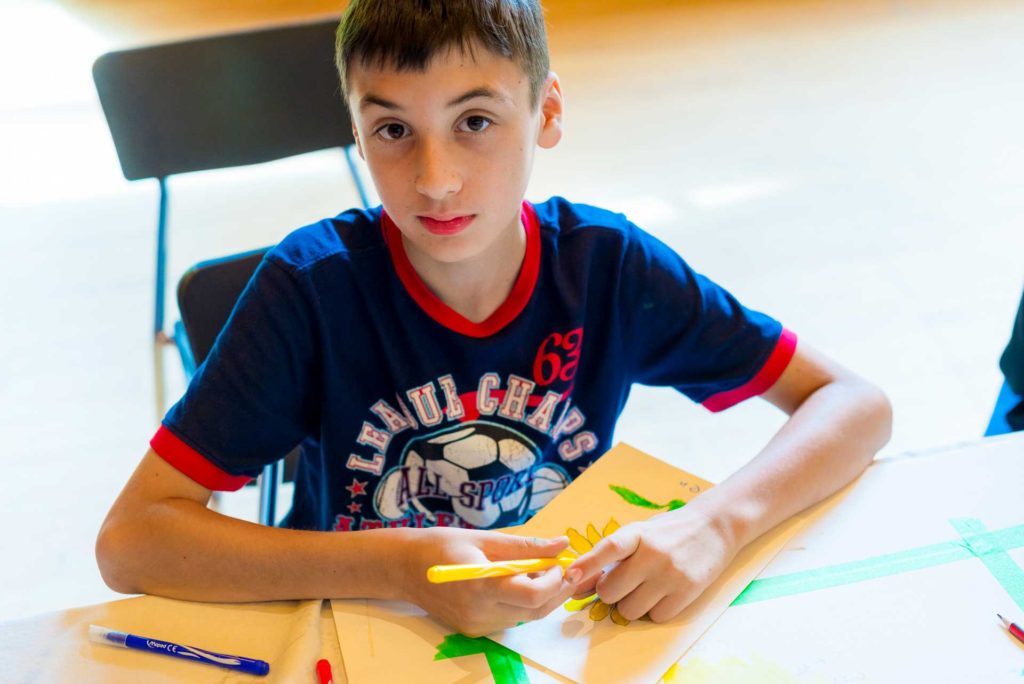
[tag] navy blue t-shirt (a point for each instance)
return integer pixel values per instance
(409, 414)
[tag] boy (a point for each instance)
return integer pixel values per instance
(451, 360)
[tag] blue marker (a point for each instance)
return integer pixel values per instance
(104, 635)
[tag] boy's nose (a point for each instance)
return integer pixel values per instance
(436, 176)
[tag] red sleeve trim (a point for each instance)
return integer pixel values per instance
(513, 305)
(169, 447)
(765, 378)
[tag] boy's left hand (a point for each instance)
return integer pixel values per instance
(663, 564)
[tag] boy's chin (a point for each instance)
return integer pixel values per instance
(454, 252)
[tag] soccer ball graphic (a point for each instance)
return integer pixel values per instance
(487, 474)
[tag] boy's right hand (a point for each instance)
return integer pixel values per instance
(482, 606)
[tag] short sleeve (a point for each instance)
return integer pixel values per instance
(253, 398)
(687, 332)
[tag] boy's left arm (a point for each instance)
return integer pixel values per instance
(837, 423)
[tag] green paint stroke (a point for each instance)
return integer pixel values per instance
(998, 562)
(631, 497)
(766, 588)
(505, 664)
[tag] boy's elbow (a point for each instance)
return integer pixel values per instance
(114, 548)
(877, 409)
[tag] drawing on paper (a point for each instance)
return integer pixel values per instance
(579, 545)
(506, 665)
(631, 497)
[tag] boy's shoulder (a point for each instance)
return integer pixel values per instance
(564, 217)
(349, 234)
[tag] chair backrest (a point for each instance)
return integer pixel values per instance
(223, 101)
(207, 293)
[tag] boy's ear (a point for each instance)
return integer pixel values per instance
(551, 112)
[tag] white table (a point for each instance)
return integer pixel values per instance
(868, 619)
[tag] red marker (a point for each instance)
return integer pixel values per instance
(323, 672)
(1014, 629)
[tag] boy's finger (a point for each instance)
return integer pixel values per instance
(671, 606)
(586, 589)
(617, 547)
(553, 603)
(621, 581)
(635, 603)
(513, 547)
(495, 617)
(527, 592)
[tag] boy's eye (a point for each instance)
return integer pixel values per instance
(476, 124)
(391, 131)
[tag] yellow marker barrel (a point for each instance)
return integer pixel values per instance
(469, 571)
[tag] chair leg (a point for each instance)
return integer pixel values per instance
(161, 259)
(188, 360)
(158, 378)
(269, 480)
(160, 338)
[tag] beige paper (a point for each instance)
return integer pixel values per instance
(388, 641)
(394, 641)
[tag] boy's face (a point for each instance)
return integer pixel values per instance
(450, 148)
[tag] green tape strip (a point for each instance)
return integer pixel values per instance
(998, 562)
(505, 664)
(922, 557)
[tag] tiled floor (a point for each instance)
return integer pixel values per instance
(854, 168)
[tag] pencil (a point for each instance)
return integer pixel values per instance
(1016, 631)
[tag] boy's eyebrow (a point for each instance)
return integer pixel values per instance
(371, 99)
(483, 91)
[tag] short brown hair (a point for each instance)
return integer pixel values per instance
(406, 34)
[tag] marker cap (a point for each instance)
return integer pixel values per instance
(105, 635)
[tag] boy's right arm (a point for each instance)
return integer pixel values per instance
(160, 538)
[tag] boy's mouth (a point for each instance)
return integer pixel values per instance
(442, 225)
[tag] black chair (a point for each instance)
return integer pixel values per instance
(217, 102)
(206, 296)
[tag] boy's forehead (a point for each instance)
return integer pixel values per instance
(452, 76)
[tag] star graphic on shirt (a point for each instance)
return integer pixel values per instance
(356, 488)
(355, 507)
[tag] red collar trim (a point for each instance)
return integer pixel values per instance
(513, 305)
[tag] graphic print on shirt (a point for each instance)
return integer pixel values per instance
(487, 474)
(476, 458)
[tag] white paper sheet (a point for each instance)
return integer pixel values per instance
(935, 623)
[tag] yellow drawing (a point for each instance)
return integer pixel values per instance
(580, 544)
(733, 670)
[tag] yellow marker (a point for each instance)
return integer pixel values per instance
(469, 571)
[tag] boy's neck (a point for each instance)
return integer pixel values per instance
(474, 289)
